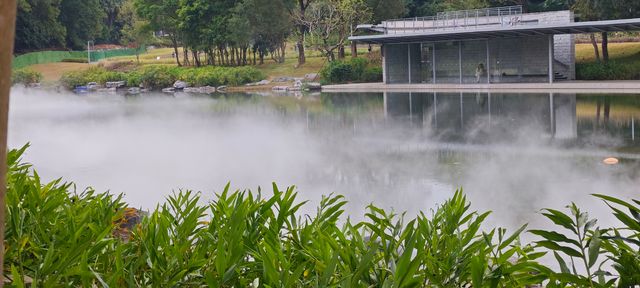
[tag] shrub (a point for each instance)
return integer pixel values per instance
(99, 75)
(336, 72)
(354, 70)
(25, 77)
(609, 71)
(158, 76)
(372, 74)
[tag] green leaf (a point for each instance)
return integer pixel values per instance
(561, 219)
(594, 248)
(556, 247)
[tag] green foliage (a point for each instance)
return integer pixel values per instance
(163, 76)
(609, 71)
(83, 20)
(37, 25)
(53, 234)
(93, 74)
(25, 77)
(583, 243)
(354, 70)
(57, 236)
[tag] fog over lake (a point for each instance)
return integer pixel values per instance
(512, 154)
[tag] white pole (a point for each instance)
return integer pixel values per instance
(633, 129)
(89, 52)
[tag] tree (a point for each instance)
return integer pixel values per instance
(329, 23)
(162, 16)
(38, 26)
(113, 20)
(83, 20)
(136, 31)
(388, 9)
(298, 12)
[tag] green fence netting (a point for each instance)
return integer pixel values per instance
(57, 56)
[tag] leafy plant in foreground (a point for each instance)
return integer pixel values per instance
(584, 244)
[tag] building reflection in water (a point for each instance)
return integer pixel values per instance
(486, 117)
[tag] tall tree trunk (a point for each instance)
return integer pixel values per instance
(174, 41)
(301, 30)
(354, 49)
(594, 43)
(605, 47)
(7, 32)
(233, 56)
(341, 53)
(185, 59)
(196, 59)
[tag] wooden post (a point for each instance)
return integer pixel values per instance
(7, 31)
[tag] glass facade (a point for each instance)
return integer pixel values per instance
(499, 60)
(447, 62)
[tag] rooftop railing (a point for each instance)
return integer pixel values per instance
(454, 20)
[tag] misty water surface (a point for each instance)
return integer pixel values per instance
(513, 153)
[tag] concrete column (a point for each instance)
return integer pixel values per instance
(551, 59)
(552, 121)
(384, 64)
(433, 62)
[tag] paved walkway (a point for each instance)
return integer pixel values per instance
(583, 87)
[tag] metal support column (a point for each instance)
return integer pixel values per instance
(488, 64)
(409, 61)
(552, 115)
(433, 62)
(551, 59)
(460, 60)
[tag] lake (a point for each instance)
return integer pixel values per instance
(513, 153)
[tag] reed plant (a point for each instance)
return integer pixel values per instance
(56, 236)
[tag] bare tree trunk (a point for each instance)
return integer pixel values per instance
(300, 44)
(341, 53)
(354, 49)
(234, 56)
(7, 33)
(174, 41)
(196, 59)
(594, 43)
(185, 61)
(605, 47)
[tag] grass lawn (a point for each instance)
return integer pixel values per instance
(623, 52)
(315, 61)
(53, 71)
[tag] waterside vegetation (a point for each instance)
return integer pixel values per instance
(56, 235)
(163, 76)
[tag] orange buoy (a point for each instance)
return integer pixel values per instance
(610, 161)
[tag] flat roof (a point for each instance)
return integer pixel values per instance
(503, 32)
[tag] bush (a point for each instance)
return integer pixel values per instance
(337, 72)
(157, 76)
(94, 74)
(354, 70)
(162, 76)
(372, 74)
(25, 77)
(609, 71)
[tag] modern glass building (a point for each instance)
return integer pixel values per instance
(497, 45)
